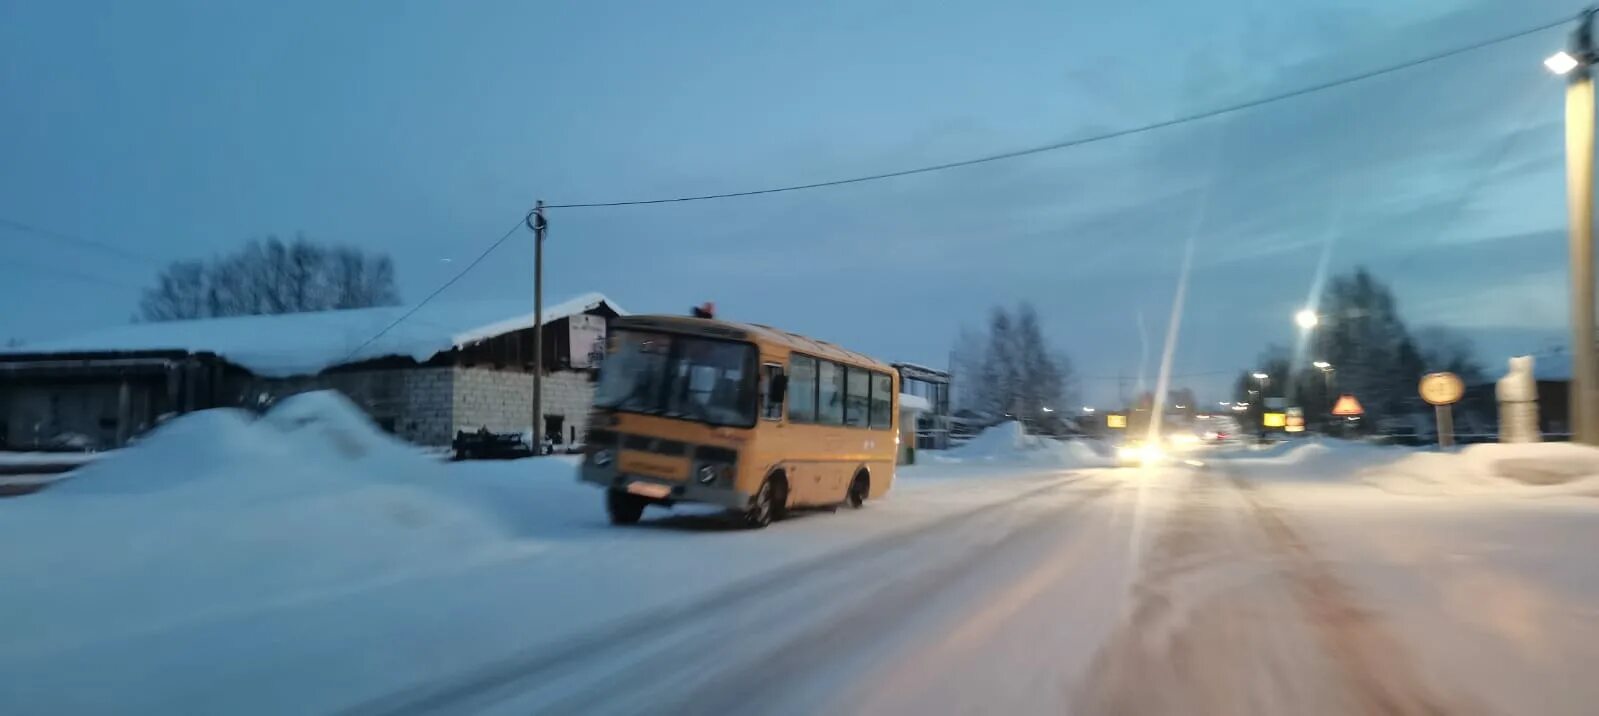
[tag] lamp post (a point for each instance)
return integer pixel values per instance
(1263, 379)
(1327, 371)
(1576, 64)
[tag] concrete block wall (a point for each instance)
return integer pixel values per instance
(502, 400)
(415, 403)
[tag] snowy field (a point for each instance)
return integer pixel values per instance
(305, 563)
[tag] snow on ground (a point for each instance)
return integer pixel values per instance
(1009, 444)
(24, 459)
(1528, 469)
(305, 547)
(1489, 595)
(1307, 459)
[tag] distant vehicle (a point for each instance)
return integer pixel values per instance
(1219, 428)
(752, 418)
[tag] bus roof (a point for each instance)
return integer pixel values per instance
(750, 332)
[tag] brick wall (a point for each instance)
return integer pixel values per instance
(502, 400)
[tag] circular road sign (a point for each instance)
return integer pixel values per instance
(1441, 388)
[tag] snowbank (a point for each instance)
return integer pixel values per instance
(1528, 469)
(218, 508)
(1309, 460)
(1009, 443)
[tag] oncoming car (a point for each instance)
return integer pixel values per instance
(1141, 452)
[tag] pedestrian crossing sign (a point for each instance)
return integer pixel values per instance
(1347, 405)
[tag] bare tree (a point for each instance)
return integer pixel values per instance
(271, 277)
(179, 293)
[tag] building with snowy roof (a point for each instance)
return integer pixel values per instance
(422, 375)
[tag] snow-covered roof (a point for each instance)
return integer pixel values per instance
(308, 343)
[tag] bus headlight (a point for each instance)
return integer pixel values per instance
(600, 458)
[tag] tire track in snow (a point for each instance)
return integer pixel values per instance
(1234, 614)
(484, 686)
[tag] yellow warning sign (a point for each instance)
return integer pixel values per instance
(1347, 405)
(1273, 420)
(1116, 421)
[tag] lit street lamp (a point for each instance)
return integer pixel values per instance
(1575, 64)
(1048, 409)
(1088, 409)
(1306, 318)
(1260, 376)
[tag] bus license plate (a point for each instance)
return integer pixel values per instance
(649, 489)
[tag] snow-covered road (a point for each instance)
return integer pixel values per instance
(1257, 584)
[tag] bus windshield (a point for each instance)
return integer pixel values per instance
(676, 376)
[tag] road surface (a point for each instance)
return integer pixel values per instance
(1160, 591)
(1231, 588)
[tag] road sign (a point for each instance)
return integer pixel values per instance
(1347, 405)
(1296, 420)
(1114, 421)
(1441, 388)
(1274, 420)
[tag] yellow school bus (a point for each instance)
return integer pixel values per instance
(749, 417)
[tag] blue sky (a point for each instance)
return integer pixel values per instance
(180, 130)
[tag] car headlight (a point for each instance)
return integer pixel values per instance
(1126, 452)
(1151, 454)
(601, 458)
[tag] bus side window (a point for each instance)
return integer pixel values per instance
(801, 389)
(773, 386)
(882, 401)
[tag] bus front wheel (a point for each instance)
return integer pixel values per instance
(768, 503)
(624, 509)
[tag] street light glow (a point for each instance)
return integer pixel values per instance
(1088, 409)
(1260, 376)
(1561, 63)
(1224, 403)
(1324, 365)
(1306, 318)
(1048, 409)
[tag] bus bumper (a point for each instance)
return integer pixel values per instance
(685, 491)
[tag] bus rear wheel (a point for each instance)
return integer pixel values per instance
(623, 508)
(859, 488)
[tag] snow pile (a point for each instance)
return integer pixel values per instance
(1309, 460)
(1010, 443)
(1510, 469)
(217, 508)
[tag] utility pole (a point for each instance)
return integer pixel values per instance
(536, 222)
(1584, 396)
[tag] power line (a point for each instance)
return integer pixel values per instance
(457, 277)
(78, 241)
(1094, 138)
(31, 270)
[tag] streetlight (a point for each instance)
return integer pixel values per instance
(1561, 62)
(1575, 64)
(1324, 365)
(1260, 376)
(1306, 318)
(1088, 409)
(1048, 409)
